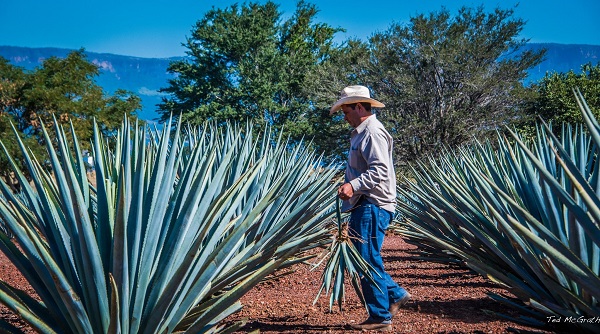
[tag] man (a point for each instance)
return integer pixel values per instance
(369, 192)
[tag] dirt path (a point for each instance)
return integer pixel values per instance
(446, 299)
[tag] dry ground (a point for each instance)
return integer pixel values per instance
(446, 299)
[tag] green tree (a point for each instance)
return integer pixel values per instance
(248, 63)
(61, 88)
(65, 88)
(555, 101)
(446, 79)
(345, 66)
(13, 83)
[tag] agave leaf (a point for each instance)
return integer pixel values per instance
(588, 117)
(25, 186)
(87, 251)
(521, 319)
(233, 328)
(104, 210)
(25, 266)
(563, 195)
(234, 294)
(33, 201)
(213, 263)
(507, 301)
(23, 311)
(115, 320)
(44, 268)
(565, 260)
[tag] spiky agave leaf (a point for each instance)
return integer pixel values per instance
(525, 215)
(178, 226)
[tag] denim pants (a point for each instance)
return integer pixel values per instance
(367, 225)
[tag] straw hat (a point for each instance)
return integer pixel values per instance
(354, 94)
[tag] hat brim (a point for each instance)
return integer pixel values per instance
(354, 99)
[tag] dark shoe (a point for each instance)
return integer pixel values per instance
(394, 307)
(374, 325)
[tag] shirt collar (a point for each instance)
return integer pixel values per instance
(362, 126)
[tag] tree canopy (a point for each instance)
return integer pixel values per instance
(555, 101)
(248, 63)
(446, 79)
(63, 88)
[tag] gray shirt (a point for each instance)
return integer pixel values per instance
(370, 168)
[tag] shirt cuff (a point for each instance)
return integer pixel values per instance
(355, 184)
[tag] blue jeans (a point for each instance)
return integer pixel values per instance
(368, 224)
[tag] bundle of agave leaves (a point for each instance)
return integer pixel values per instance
(343, 259)
(176, 229)
(524, 215)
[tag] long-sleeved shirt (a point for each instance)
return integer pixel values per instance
(370, 168)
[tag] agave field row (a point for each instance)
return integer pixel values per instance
(525, 215)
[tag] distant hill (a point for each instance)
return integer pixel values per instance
(144, 76)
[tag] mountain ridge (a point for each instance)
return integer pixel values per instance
(142, 76)
(145, 76)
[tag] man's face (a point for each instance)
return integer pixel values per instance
(352, 115)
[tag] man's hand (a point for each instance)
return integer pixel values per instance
(345, 191)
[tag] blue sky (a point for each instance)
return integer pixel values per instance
(156, 28)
